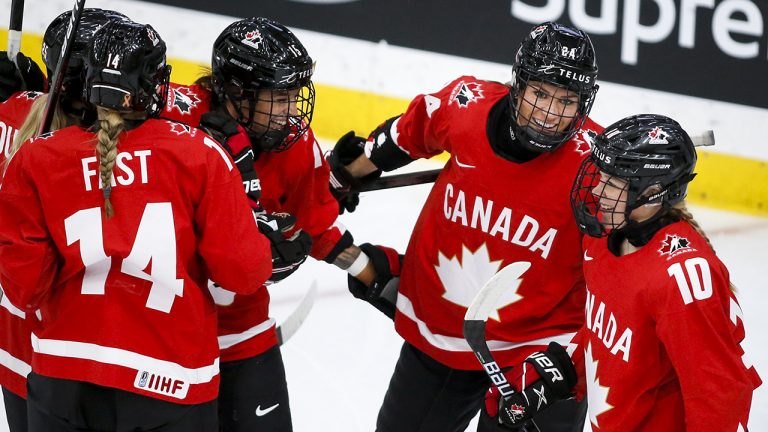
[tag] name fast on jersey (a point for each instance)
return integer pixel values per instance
(126, 163)
(479, 217)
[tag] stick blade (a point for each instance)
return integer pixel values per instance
(486, 299)
(288, 328)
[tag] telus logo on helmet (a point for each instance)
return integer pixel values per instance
(737, 26)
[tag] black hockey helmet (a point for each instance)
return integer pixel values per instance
(91, 20)
(562, 56)
(125, 68)
(651, 155)
(260, 62)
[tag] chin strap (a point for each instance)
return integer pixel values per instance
(640, 233)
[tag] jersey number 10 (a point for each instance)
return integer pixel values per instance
(699, 275)
(155, 242)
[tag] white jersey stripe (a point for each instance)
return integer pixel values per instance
(6, 304)
(227, 341)
(450, 343)
(124, 358)
(14, 364)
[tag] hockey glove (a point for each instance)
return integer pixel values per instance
(387, 264)
(27, 76)
(236, 142)
(544, 378)
(288, 253)
(344, 187)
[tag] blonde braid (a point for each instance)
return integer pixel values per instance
(682, 210)
(32, 122)
(111, 125)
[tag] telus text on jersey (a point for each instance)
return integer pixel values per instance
(481, 211)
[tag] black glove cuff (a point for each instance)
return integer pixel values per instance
(386, 154)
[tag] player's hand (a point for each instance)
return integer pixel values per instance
(288, 253)
(387, 264)
(27, 76)
(344, 187)
(236, 142)
(544, 378)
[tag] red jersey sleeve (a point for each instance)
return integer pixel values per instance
(698, 321)
(28, 256)
(225, 220)
(422, 130)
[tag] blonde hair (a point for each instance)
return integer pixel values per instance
(110, 125)
(681, 210)
(32, 124)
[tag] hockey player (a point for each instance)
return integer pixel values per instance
(662, 341)
(261, 87)
(116, 261)
(15, 333)
(501, 198)
(22, 75)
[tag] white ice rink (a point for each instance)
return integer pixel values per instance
(340, 361)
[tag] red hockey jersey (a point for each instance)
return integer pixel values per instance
(123, 301)
(15, 348)
(484, 213)
(662, 341)
(294, 181)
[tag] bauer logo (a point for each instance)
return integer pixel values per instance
(161, 384)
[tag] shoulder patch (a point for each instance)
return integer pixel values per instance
(674, 245)
(182, 129)
(583, 141)
(183, 99)
(464, 93)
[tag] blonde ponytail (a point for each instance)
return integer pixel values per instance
(111, 125)
(681, 210)
(32, 124)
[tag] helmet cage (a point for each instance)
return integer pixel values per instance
(638, 172)
(561, 56)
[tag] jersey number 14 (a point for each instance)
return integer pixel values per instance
(155, 242)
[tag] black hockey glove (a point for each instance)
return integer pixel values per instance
(344, 187)
(544, 378)
(382, 293)
(287, 253)
(27, 76)
(236, 142)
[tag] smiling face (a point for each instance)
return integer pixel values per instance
(611, 193)
(272, 110)
(547, 108)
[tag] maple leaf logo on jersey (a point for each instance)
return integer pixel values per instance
(465, 93)
(31, 95)
(658, 136)
(463, 275)
(597, 394)
(584, 140)
(184, 99)
(673, 243)
(181, 129)
(252, 39)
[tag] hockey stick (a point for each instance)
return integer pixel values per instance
(290, 325)
(400, 180)
(61, 67)
(706, 138)
(477, 315)
(14, 29)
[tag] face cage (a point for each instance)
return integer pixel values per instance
(595, 213)
(538, 137)
(273, 118)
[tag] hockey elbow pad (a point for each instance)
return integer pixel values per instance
(382, 147)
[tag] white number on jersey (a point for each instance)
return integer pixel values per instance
(155, 243)
(697, 272)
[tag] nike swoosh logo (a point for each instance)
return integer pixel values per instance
(260, 412)
(461, 164)
(587, 257)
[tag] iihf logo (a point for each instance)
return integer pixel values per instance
(657, 136)
(252, 39)
(165, 385)
(673, 244)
